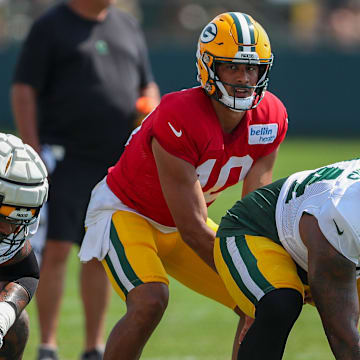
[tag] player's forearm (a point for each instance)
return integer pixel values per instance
(205, 252)
(340, 324)
(349, 350)
(260, 174)
(343, 337)
(190, 220)
(23, 99)
(191, 223)
(201, 239)
(339, 314)
(332, 280)
(15, 295)
(13, 300)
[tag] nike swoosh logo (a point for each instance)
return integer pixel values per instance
(177, 133)
(337, 228)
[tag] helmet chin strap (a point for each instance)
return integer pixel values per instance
(234, 103)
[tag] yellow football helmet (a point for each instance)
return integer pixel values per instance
(236, 38)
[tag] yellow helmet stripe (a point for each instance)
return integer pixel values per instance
(245, 31)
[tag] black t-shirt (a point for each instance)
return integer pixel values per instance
(87, 75)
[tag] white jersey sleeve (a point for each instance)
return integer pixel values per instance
(339, 220)
(332, 195)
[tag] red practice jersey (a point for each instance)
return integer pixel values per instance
(186, 126)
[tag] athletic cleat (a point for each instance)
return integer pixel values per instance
(96, 354)
(47, 354)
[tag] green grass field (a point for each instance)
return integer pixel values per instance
(195, 328)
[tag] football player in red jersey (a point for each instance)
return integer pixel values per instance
(148, 218)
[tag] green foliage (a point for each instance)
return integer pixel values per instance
(195, 328)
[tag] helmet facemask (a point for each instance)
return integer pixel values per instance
(237, 103)
(11, 242)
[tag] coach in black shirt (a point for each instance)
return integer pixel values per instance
(82, 68)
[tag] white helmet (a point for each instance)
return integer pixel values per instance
(23, 188)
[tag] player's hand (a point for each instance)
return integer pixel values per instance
(248, 322)
(308, 297)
